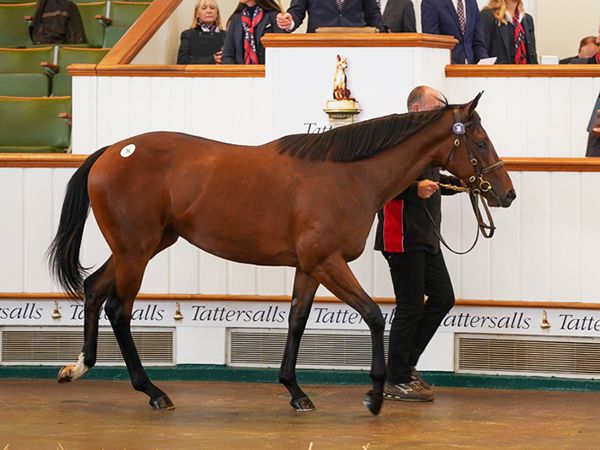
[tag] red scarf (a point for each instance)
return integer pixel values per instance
(520, 49)
(249, 24)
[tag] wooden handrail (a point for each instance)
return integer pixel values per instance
(359, 40)
(51, 296)
(523, 71)
(140, 32)
(26, 160)
(167, 70)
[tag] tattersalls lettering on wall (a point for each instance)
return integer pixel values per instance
(324, 316)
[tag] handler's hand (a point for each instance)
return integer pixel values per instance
(284, 21)
(426, 188)
(217, 56)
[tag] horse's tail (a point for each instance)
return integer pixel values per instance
(63, 253)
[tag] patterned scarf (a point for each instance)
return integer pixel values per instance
(249, 24)
(209, 28)
(520, 50)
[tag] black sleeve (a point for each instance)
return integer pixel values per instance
(229, 45)
(487, 21)
(183, 55)
(409, 20)
(297, 10)
(533, 46)
(409, 192)
(372, 13)
(479, 48)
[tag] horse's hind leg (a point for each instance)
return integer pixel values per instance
(96, 288)
(303, 294)
(336, 276)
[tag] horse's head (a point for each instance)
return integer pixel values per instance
(473, 158)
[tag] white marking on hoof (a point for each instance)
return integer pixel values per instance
(127, 150)
(73, 371)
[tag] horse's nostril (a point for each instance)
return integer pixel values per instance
(511, 194)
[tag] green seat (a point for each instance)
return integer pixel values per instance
(14, 28)
(61, 83)
(21, 73)
(92, 27)
(122, 16)
(33, 124)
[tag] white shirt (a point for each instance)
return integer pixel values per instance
(382, 4)
(455, 3)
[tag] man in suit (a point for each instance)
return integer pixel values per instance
(593, 144)
(458, 18)
(399, 16)
(331, 13)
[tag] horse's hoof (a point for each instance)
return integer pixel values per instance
(373, 402)
(162, 402)
(65, 374)
(302, 404)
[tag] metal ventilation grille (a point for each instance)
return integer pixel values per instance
(44, 346)
(528, 355)
(264, 348)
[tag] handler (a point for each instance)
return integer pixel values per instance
(406, 236)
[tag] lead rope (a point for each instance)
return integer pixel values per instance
(486, 229)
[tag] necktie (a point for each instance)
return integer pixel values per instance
(340, 4)
(460, 9)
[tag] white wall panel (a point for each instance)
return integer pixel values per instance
(12, 233)
(589, 240)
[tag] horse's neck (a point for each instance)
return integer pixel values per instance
(393, 170)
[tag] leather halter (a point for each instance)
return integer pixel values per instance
(487, 229)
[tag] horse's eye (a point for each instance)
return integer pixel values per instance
(482, 145)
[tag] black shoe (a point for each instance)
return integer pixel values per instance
(413, 391)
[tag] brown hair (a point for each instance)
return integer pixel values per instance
(198, 4)
(499, 7)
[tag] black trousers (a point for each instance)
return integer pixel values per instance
(416, 274)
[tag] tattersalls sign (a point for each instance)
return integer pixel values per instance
(324, 316)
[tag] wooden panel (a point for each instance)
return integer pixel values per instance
(358, 40)
(167, 70)
(517, 71)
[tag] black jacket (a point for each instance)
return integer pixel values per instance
(233, 49)
(593, 146)
(403, 224)
(202, 53)
(57, 22)
(500, 39)
(325, 13)
(399, 16)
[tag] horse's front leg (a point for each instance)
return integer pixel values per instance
(120, 319)
(303, 294)
(96, 288)
(336, 276)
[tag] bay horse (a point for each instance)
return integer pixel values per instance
(307, 201)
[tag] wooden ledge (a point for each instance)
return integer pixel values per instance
(164, 70)
(51, 296)
(524, 71)
(359, 40)
(28, 160)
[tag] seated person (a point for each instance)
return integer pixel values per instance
(587, 48)
(508, 32)
(203, 42)
(331, 13)
(248, 23)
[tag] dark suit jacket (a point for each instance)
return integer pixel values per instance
(440, 17)
(399, 16)
(500, 40)
(204, 53)
(593, 147)
(325, 13)
(233, 49)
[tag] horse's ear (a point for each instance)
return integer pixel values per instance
(473, 104)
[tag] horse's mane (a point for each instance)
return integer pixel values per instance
(360, 140)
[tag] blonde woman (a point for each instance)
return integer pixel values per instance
(508, 32)
(203, 42)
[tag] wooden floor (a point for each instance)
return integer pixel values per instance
(83, 415)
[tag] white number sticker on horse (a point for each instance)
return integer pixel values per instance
(127, 150)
